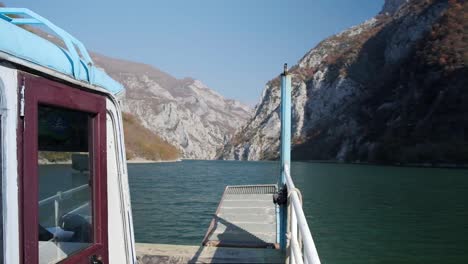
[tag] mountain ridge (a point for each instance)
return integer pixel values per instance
(184, 112)
(357, 94)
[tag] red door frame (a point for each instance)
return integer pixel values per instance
(42, 91)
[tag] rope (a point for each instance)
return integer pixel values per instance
(298, 192)
(288, 234)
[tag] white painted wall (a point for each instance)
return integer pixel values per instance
(8, 110)
(121, 241)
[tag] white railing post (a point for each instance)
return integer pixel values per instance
(310, 251)
(57, 207)
(293, 229)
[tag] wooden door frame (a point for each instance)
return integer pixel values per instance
(39, 90)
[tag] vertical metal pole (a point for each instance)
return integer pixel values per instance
(285, 145)
(285, 121)
(57, 200)
(56, 210)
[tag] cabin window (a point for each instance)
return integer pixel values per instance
(63, 175)
(65, 183)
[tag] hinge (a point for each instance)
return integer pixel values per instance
(23, 87)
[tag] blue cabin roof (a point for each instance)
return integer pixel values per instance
(73, 61)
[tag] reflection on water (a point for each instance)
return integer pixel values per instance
(357, 214)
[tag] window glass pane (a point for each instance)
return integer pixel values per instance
(65, 191)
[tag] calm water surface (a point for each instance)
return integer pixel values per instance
(357, 213)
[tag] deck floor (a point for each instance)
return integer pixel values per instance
(245, 217)
(177, 254)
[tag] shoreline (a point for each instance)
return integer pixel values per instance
(401, 165)
(143, 161)
(138, 161)
(408, 165)
(46, 162)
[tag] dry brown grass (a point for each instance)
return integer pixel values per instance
(446, 45)
(140, 142)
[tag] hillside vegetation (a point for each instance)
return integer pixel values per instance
(426, 119)
(141, 143)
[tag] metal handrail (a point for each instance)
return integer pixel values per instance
(74, 46)
(62, 195)
(59, 197)
(298, 222)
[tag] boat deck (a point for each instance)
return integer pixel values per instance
(175, 254)
(245, 218)
(243, 230)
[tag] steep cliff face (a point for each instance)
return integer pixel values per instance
(391, 6)
(382, 91)
(184, 112)
(141, 144)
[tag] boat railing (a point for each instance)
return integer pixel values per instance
(60, 196)
(301, 247)
(74, 47)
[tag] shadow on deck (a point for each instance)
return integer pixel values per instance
(177, 254)
(245, 218)
(243, 230)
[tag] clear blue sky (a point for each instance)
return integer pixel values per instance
(234, 46)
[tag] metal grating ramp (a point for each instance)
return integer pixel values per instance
(246, 217)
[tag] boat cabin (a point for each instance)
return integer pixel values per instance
(65, 195)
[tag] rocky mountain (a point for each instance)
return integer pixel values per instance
(184, 112)
(393, 89)
(391, 6)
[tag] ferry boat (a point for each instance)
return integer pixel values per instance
(57, 107)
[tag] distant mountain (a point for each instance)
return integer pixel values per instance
(393, 89)
(183, 112)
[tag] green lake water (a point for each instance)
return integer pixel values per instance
(357, 213)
